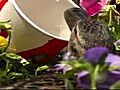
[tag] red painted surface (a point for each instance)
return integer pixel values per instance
(2, 2)
(2, 32)
(51, 48)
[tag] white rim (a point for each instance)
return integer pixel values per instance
(33, 24)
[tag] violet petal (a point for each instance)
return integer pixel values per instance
(93, 55)
(62, 67)
(107, 79)
(113, 59)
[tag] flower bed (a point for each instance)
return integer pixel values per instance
(93, 50)
(92, 60)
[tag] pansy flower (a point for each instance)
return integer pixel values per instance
(103, 79)
(62, 67)
(94, 54)
(92, 7)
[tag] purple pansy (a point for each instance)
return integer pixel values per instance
(83, 76)
(103, 79)
(93, 55)
(113, 59)
(62, 67)
(106, 79)
(92, 7)
(69, 56)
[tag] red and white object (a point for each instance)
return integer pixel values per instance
(37, 24)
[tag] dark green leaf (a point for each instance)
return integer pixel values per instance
(14, 74)
(12, 57)
(5, 25)
(3, 73)
(115, 86)
(41, 69)
(111, 68)
(68, 74)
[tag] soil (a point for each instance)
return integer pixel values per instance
(45, 81)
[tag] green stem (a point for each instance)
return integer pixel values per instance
(93, 77)
(7, 66)
(68, 84)
(110, 18)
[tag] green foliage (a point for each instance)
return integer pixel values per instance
(9, 71)
(115, 86)
(82, 65)
(5, 25)
(39, 69)
(115, 30)
(13, 66)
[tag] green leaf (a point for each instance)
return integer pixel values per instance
(14, 74)
(111, 68)
(67, 74)
(117, 47)
(115, 85)
(41, 69)
(3, 73)
(79, 64)
(75, 64)
(7, 21)
(104, 67)
(115, 31)
(12, 57)
(5, 25)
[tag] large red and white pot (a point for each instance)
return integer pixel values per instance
(37, 23)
